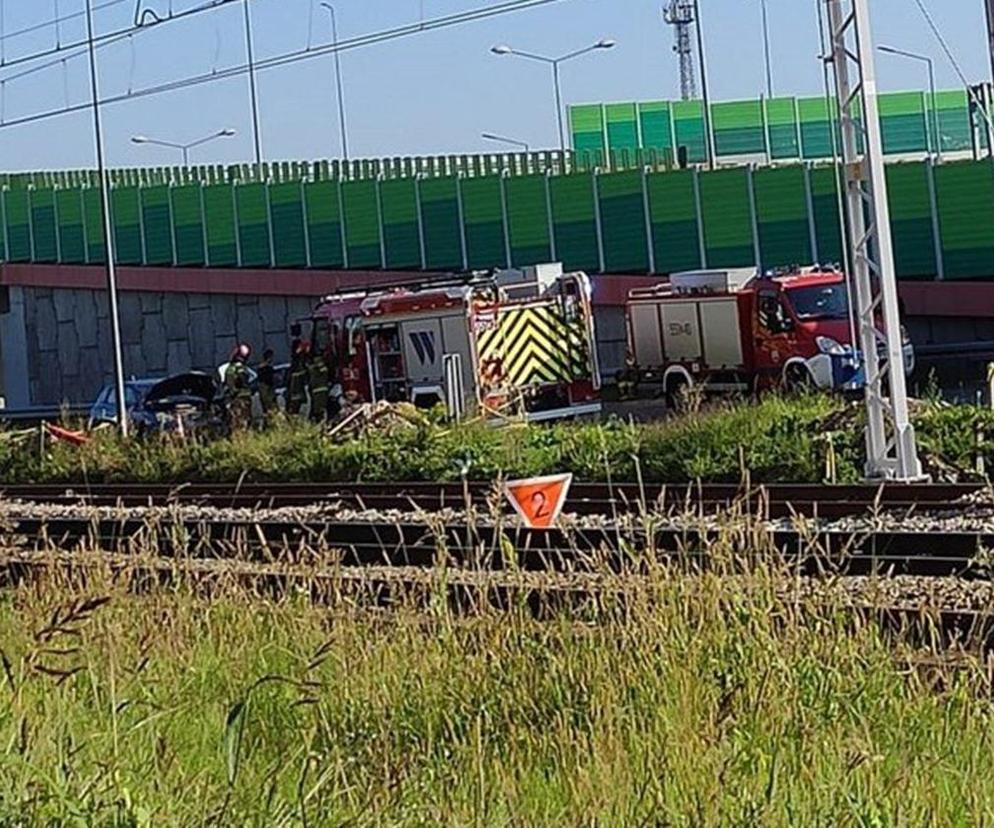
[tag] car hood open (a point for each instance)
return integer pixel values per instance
(192, 388)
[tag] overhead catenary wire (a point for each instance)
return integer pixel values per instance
(56, 21)
(287, 58)
(80, 48)
(953, 62)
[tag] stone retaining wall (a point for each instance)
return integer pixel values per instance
(67, 341)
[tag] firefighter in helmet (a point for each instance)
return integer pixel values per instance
(297, 379)
(238, 387)
(628, 379)
(317, 382)
(267, 382)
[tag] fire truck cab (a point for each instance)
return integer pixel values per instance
(739, 330)
(518, 341)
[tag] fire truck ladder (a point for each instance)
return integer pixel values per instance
(892, 452)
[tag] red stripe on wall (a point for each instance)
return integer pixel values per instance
(949, 299)
(205, 280)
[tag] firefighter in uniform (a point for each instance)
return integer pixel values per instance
(267, 382)
(238, 387)
(317, 381)
(297, 379)
(628, 379)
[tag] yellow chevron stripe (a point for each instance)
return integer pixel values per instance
(537, 350)
(554, 353)
(531, 326)
(535, 360)
(530, 329)
(535, 326)
(536, 346)
(531, 361)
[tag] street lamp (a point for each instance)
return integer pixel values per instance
(766, 49)
(338, 80)
(504, 49)
(705, 88)
(185, 148)
(253, 92)
(120, 395)
(891, 50)
(489, 136)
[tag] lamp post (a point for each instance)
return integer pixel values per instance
(766, 49)
(989, 8)
(705, 89)
(489, 136)
(185, 148)
(891, 50)
(108, 230)
(338, 80)
(253, 93)
(504, 50)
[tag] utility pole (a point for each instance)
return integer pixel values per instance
(989, 97)
(115, 316)
(892, 451)
(338, 78)
(766, 49)
(989, 6)
(708, 128)
(250, 50)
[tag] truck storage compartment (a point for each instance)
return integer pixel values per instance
(722, 337)
(681, 332)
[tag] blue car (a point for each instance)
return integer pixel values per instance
(104, 410)
(183, 402)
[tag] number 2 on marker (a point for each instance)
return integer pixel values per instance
(541, 504)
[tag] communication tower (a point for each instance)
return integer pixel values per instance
(680, 14)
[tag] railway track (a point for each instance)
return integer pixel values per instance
(939, 585)
(958, 617)
(405, 525)
(584, 499)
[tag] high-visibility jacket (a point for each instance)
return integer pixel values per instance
(236, 381)
(317, 375)
(297, 381)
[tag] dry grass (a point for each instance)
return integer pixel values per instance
(668, 699)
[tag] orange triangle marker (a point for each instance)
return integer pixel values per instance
(539, 500)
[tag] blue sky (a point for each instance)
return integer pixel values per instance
(431, 93)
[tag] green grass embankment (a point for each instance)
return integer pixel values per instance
(787, 440)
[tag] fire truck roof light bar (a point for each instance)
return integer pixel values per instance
(467, 279)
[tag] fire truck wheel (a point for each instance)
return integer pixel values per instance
(797, 379)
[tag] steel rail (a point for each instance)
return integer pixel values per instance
(609, 548)
(464, 591)
(584, 498)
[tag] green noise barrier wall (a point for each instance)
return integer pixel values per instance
(632, 221)
(770, 129)
(605, 137)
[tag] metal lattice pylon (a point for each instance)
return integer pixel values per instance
(680, 14)
(892, 451)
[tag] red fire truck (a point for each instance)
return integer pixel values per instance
(738, 331)
(500, 343)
